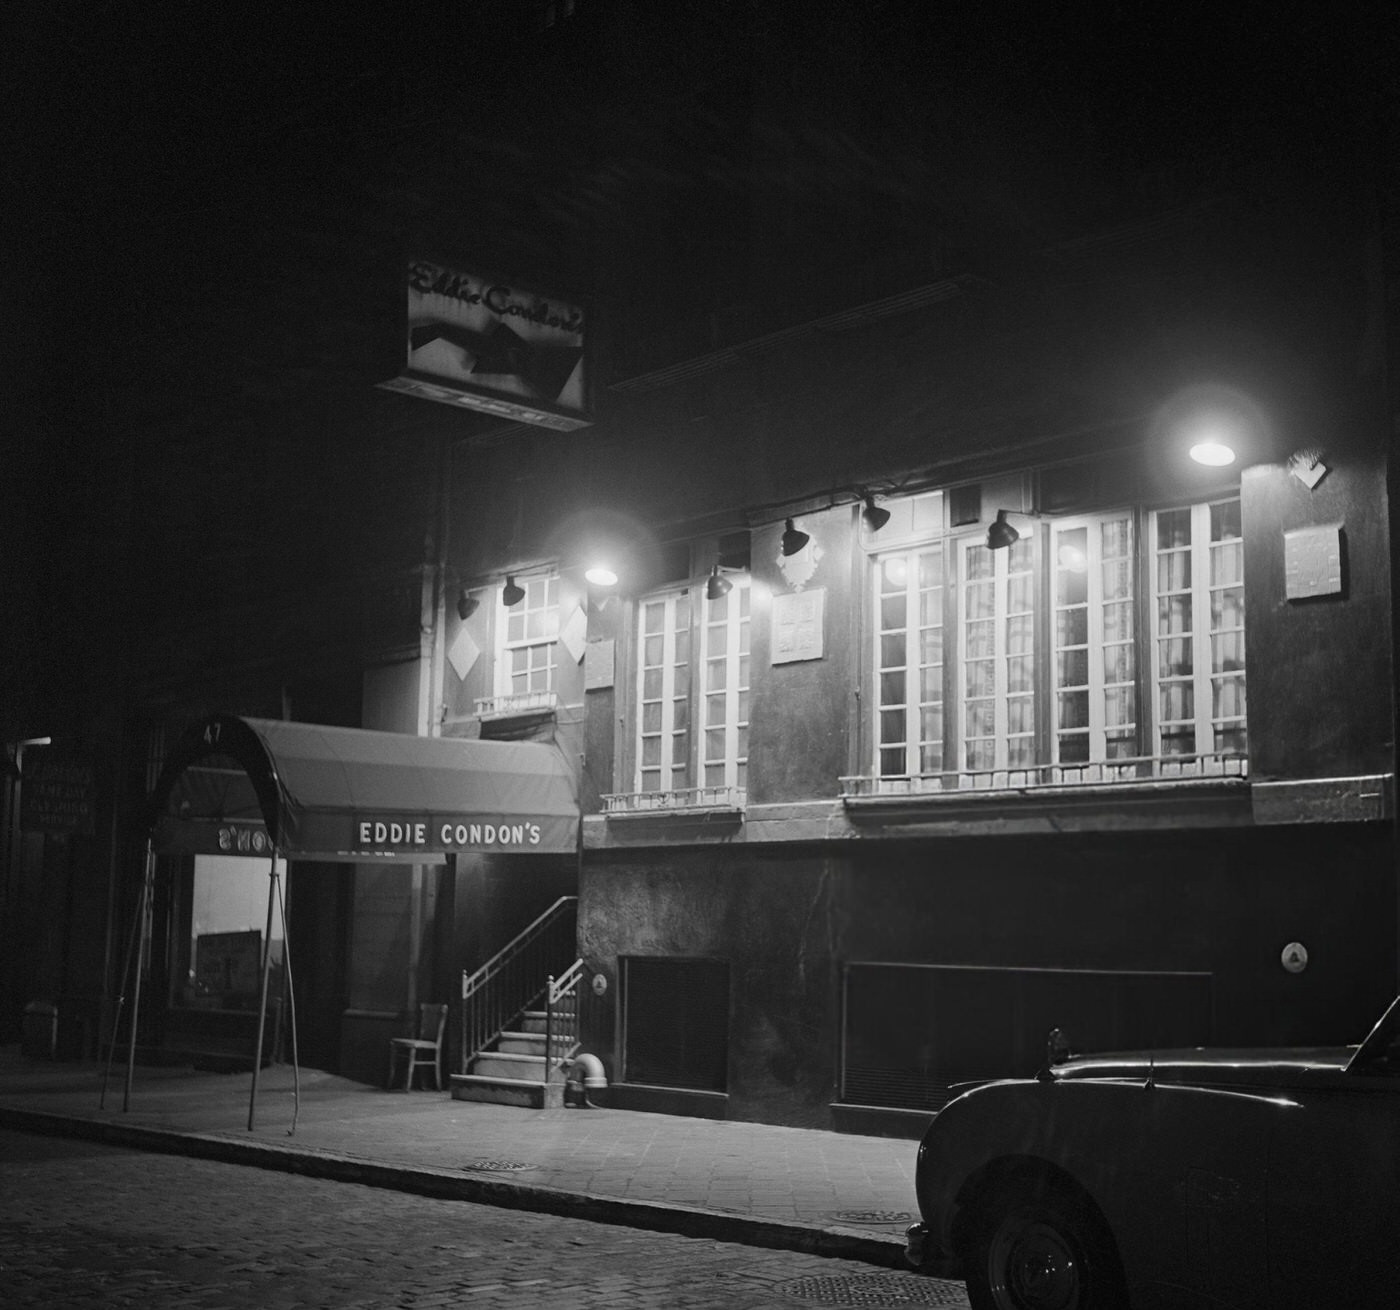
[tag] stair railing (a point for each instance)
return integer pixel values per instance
(561, 1026)
(515, 976)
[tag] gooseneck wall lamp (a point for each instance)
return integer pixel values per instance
(1001, 535)
(512, 593)
(793, 538)
(875, 516)
(716, 585)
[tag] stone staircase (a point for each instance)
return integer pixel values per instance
(513, 1069)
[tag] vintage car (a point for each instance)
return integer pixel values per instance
(1172, 1179)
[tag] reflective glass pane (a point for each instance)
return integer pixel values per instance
(979, 678)
(1118, 707)
(1074, 748)
(1225, 521)
(1173, 571)
(892, 763)
(892, 688)
(1020, 634)
(1072, 668)
(1074, 709)
(1227, 564)
(981, 639)
(1173, 529)
(1117, 622)
(1174, 657)
(892, 650)
(1174, 614)
(1072, 627)
(1020, 673)
(652, 649)
(1118, 663)
(891, 726)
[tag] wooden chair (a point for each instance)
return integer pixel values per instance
(423, 1049)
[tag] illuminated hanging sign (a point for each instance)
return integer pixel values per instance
(399, 836)
(492, 345)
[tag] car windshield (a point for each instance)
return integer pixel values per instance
(1380, 1052)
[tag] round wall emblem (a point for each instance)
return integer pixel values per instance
(600, 984)
(1295, 957)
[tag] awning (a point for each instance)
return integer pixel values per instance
(247, 786)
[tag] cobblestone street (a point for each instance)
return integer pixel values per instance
(88, 1224)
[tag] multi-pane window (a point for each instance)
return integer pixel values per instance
(725, 655)
(1093, 631)
(997, 652)
(529, 630)
(663, 691)
(670, 756)
(1090, 639)
(1198, 637)
(909, 662)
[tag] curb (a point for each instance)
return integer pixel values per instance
(655, 1216)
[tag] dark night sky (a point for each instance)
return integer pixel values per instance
(195, 202)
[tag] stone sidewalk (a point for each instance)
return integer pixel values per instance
(788, 1188)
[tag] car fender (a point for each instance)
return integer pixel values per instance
(1175, 1172)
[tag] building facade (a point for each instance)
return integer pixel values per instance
(934, 698)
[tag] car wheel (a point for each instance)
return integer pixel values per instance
(1049, 1253)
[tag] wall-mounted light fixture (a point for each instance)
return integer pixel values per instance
(466, 604)
(1213, 452)
(511, 593)
(1002, 535)
(716, 585)
(875, 516)
(601, 575)
(793, 538)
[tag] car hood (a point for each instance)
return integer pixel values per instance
(1246, 1066)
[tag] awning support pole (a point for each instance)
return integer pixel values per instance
(135, 946)
(272, 891)
(291, 1000)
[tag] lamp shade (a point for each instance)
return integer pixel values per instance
(511, 593)
(717, 586)
(1001, 534)
(466, 604)
(875, 516)
(793, 538)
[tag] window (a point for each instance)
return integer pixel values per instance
(1095, 647)
(529, 629)
(693, 666)
(219, 961)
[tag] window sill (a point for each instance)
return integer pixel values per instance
(1122, 784)
(516, 717)
(1146, 770)
(695, 803)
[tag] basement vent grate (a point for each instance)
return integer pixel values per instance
(497, 1167)
(876, 1290)
(873, 1217)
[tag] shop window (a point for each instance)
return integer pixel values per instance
(675, 1015)
(911, 1032)
(219, 960)
(691, 712)
(1065, 657)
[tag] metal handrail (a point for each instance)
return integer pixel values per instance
(565, 1017)
(514, 977)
